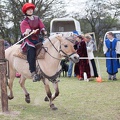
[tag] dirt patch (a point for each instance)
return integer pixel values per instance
(10, 113)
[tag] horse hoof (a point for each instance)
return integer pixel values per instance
(10, 98)
(46, 99)
(27, 98)
(52, 106)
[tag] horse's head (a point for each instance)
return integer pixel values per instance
(66, 48)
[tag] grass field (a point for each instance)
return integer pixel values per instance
(78, 100)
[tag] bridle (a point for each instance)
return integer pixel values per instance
(60, 50)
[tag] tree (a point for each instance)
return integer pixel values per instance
(2, 21)
(45, 9)
(99, 16)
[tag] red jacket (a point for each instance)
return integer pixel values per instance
(33, 25)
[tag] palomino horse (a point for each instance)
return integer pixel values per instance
(57, 47)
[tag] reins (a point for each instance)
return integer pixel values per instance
(52, 44)
(50, 54)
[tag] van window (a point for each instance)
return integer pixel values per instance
(63, 26)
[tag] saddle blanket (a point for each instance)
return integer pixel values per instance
(20, 54)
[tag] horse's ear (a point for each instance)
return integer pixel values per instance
(59, 37)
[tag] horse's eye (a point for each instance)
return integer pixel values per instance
(65, 45)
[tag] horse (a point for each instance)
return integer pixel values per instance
(56, 47)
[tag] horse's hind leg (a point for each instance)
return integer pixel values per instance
(22, 84)
(10, 85)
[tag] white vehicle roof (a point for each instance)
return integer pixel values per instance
(64, 25)
(116, 33)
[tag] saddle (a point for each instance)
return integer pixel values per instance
(40, 52)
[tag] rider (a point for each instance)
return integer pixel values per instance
(30, 24)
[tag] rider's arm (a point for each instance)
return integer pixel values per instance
(25, 28)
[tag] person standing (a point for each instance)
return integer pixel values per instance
(70, 66)
(90, 45)
(31, 23)
(6, 44)
(109, 49)
(83, 64)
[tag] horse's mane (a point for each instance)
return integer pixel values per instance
(52, 37)
(69, 37)
(66, 36)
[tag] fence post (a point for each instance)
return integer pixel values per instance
(4, 97)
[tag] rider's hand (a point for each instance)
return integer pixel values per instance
(34, 31)
(45, 33)
(27, 32)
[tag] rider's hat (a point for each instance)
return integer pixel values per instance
(27, 6)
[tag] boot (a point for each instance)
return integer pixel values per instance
(35, 77)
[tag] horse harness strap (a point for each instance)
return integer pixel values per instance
(53, 78)
(50, 54)
(52, 44)
(67, 56)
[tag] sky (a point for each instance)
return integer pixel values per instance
(72, 5)
(78, 6)
(75, 5)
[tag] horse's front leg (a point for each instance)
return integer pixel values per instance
(55, 85)
(22, 84)
(49, 94)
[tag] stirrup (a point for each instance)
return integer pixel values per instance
(36, 78)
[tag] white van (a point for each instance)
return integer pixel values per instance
(64, 25)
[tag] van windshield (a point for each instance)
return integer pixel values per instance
(63, 26)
